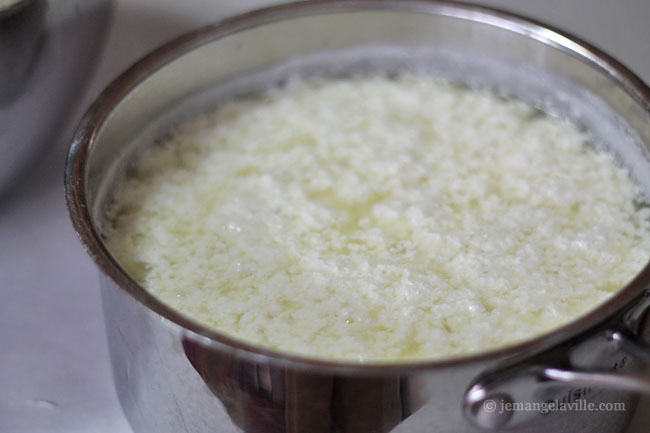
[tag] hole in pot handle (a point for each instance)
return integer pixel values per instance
(617, 381)
(516, 394)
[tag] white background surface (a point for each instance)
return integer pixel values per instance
(54, 370)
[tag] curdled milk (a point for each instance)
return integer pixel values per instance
(375, 218)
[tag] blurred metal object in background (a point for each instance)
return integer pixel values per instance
(21, 26)
(10, 7)
(47, 51)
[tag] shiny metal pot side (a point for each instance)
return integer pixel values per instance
(174, 375)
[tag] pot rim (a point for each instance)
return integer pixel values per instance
(91, 124)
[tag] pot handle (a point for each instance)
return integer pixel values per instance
(515, 394)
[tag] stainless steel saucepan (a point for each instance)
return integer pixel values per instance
(175, 375)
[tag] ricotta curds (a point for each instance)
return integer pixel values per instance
(379, 219)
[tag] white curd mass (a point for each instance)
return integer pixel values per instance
(379, 219)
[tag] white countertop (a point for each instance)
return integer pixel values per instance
(54, 369)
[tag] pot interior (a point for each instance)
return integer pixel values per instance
(466, 45)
